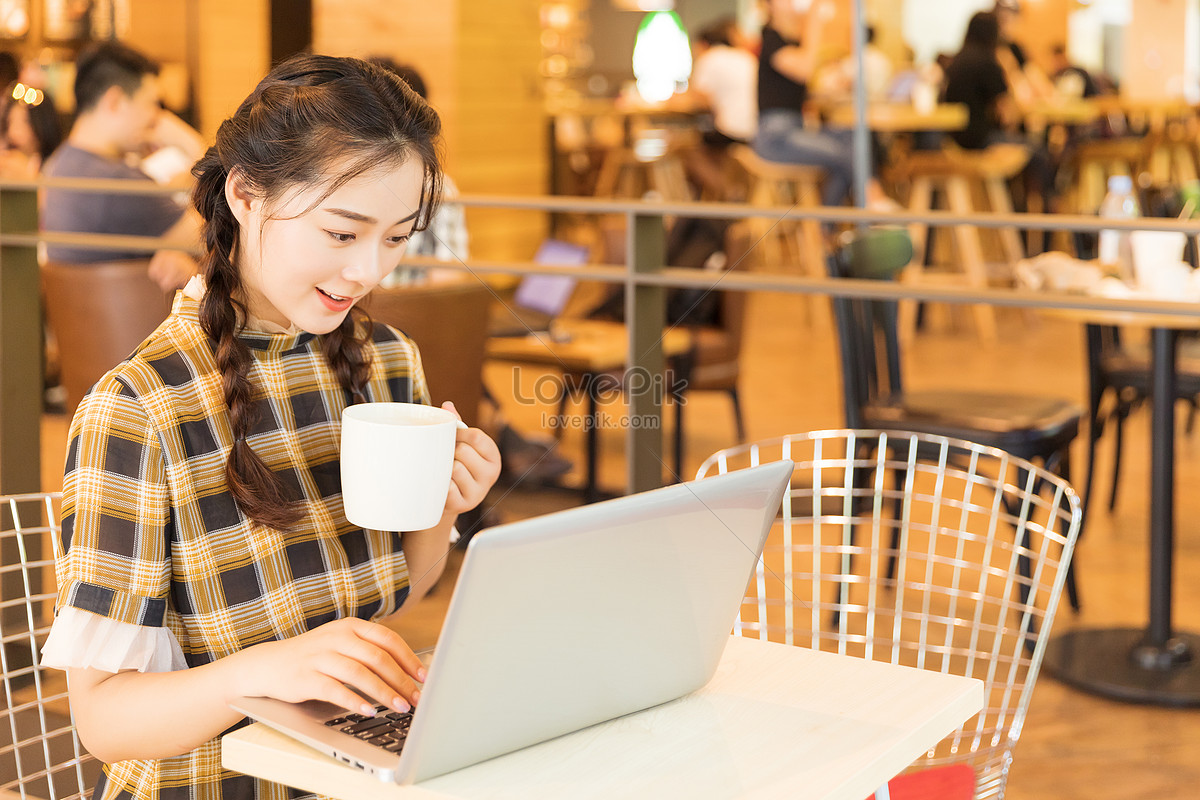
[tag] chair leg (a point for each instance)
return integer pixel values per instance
(920, 200)
(1064, 471)
(737, 414)
(569, 394)
(1119, 420)
(1095, 428)
(970, 254)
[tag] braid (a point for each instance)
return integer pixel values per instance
(345, 350)
(258, 491)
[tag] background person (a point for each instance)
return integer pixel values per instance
(976, 78)
(119, 117)
(209, 556)
(790, 42)
(725, 81)
(32, 131)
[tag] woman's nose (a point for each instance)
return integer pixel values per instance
(368, 269)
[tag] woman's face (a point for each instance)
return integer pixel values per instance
(19, 132)
(307, 265)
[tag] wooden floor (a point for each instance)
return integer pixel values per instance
(1073, 745)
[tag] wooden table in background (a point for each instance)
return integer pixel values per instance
(585, 352)
(775, 721)
(1157, 664)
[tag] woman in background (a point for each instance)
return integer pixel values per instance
(31, 128)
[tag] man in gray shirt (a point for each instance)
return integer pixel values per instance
(118, 116)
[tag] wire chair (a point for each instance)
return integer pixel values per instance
(918, 550)
(40, 752)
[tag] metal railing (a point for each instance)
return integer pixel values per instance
(644, 275)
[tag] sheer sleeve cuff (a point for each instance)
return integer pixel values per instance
(81, 639)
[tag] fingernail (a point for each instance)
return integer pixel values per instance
(367, 710)
(421, 675)
(416, 695)
(401, 706)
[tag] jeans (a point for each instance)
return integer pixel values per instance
(782, 138)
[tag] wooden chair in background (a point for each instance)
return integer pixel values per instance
(714, 362)
(772, 184)
(448, 320)
(98, 314)
(962, 175)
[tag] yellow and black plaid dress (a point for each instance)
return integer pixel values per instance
(152, 536)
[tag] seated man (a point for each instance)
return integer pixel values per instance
(119, 118)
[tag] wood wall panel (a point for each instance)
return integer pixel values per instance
(480, 61)
(159, 28)
(503, 147)
(416, 32)
(234, 55)
(1155, 58)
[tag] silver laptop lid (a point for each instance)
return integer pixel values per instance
(574, 618)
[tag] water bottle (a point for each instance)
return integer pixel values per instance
(1115, 252)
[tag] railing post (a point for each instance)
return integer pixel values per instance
(21, 372)
(645, 314)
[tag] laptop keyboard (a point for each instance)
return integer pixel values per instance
(386, 730)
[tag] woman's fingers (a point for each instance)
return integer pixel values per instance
(476, 451)
(334, 691)
(476, 468)
(388, 686)
(394, 646)
(338, 661)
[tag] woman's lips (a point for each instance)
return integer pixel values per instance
(334, 302)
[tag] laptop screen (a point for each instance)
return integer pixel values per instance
(550, 293)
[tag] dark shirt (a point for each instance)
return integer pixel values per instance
(776, 90)
(93, 212)
(976, 79)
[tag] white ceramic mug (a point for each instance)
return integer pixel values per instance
(396, 464)
(1153, 253)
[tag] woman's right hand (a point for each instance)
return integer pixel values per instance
(318, 664)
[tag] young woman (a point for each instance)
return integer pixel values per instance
(791, 40)
(975, 78)
(208, 556)
(31, 129)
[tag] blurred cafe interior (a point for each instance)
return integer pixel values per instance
(770, 213)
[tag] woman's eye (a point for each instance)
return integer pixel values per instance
(397, 240)
(341, 238)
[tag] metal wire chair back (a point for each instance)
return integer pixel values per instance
(40, 752)
(919, 550)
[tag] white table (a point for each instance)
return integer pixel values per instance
(776, 721)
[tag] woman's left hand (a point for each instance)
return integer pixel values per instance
(476, 468)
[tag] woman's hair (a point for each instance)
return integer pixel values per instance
(983, 32)
(314, 121)
(43, 118)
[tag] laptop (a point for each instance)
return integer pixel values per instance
(564, 621)
(539, 299)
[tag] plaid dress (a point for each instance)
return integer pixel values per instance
(152, 536)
